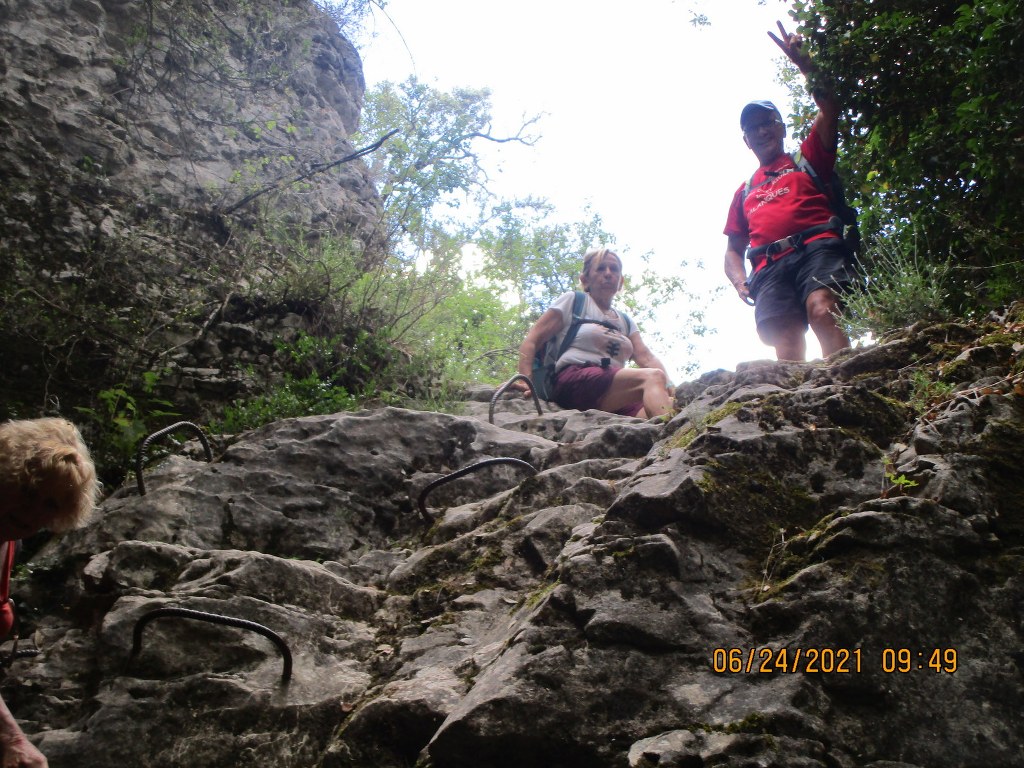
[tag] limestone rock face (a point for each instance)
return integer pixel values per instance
(172, 106)
(146, 151)
(809, 565)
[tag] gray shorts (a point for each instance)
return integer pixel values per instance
(781, 289)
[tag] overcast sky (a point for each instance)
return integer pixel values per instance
(640, 118)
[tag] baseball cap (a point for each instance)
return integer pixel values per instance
(755, 106)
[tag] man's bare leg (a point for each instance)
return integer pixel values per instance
(787, 335)
(822, 307)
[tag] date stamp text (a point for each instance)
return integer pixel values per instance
(767, 660)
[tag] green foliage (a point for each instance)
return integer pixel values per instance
(898, 485)
(905, 285)
(307, 396)
(926, 391)
(120, 422)
(932, 132)
(528, 255)
(325, 374)
(430, 175)
(473, 335)
(433, 184)
(380, 328)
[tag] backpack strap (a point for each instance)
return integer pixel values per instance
(836, 197)
(803, 164)
(578, 320)
(574, 324)
(833, 191)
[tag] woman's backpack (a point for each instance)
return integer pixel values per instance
(546, 357)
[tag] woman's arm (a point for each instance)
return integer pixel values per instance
(17, 751)
(644, 358)
(545, 329)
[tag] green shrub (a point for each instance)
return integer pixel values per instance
(295, 397)
(116, 427)
(903, 285)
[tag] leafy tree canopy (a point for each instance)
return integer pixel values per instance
(496, 264)
(429, 174)
(532, 255)
(933, 95)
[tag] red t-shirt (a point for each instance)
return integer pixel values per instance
(783, 201)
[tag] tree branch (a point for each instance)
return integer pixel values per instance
(312, 171)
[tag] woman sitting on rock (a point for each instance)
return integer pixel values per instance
(591, 372)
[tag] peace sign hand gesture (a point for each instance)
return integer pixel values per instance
(792, 45)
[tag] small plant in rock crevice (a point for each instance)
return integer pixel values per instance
(894, 484)
(927, 391)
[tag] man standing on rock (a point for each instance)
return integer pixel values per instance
(785, 224)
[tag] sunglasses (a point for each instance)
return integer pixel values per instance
(756, 127)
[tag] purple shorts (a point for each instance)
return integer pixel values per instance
(584, 386)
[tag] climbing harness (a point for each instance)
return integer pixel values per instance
(772, 251)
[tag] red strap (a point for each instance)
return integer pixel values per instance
(6, 609)
(6, 565)
(6, 619)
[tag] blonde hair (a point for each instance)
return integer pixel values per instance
(596, 256)
(46, 473)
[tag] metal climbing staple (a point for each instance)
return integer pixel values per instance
(422, 501)
(160, 433)
(213, 618)
(501, 390)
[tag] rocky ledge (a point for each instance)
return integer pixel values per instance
(809, 565)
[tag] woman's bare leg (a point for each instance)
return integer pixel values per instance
(632, 384)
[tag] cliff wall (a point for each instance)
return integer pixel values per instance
(154, 155)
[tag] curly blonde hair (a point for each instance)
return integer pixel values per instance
(46, 474)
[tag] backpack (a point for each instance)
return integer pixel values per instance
(546, 357)
(833, 191)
